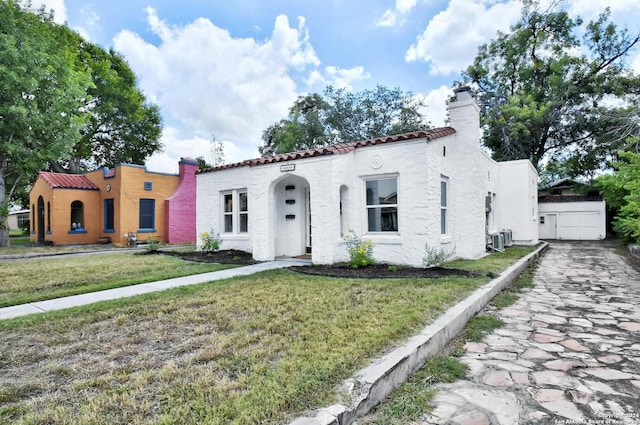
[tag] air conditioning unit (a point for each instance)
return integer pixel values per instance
(507, 237)
(497, 241)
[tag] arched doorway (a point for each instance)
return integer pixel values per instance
(292, 217)
(40, 219)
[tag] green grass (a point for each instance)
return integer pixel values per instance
(256, 349)
(413, 399)
(25, 281)
(480, 326)
(18, 232)
(410, 401)
(510, 294)
(495, 262)
(24, 240)
(29, 249)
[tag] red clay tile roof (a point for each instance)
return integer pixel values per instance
(431, 134)
(67, 181)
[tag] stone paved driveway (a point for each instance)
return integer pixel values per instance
(569, 353)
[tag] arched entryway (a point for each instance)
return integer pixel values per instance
(292, 217)
(40, 219)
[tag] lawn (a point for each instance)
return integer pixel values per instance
(25, 281)
(256, 349)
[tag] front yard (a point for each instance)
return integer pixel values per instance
(257, 349)
(25, 281)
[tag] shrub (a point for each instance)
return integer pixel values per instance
(152, 243)
(210, 241)
(360, 252)
(434, 257)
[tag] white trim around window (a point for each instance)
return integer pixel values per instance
(444, 206)
(234, 211)
(381, 204)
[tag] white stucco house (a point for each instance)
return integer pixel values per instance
(402, 191)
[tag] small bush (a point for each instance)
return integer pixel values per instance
(434, 257)
(210, 241)
(152, 244)
(360, 252)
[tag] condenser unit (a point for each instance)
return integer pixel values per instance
(507, 237)
(497, 242)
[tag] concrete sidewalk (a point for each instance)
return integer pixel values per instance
(143, 288)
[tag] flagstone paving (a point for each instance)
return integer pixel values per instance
(569, 352)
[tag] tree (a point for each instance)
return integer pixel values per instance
(304, 128)
(42, 91)
(217, 155)
(542, 91)
(342, 116)
(122, 127)
(622, 193)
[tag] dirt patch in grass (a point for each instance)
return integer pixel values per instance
(224, 256)
(383, 271)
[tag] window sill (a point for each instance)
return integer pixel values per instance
(108, 231)
(235, 236)
(146, 230)
(390, 238)
(73, 232)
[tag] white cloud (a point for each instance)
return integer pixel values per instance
(396, 16)
(179, 146)
(343, 78)
(208, 82)
(58, 7)
(436, 105)
(451, 39)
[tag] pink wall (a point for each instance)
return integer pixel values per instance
(180, 208)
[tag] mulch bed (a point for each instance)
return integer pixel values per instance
(375, 271)
(382, 271)
(226, 256)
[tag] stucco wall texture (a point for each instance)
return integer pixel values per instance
(126, 185)
(336, 186)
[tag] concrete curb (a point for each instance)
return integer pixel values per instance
(376, 382)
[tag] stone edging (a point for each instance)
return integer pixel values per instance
(376, 382)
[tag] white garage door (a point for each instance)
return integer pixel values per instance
(582, 225)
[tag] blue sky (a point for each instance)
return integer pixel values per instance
(232, 68)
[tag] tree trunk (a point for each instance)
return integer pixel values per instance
(4, 211)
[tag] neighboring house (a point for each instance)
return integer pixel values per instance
(401, 192)
(104, 204)
(17, 220)
(565, 214)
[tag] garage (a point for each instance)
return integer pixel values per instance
(569, 216)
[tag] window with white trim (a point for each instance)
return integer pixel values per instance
(382, 204)
(235, 211)
(444, 203)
